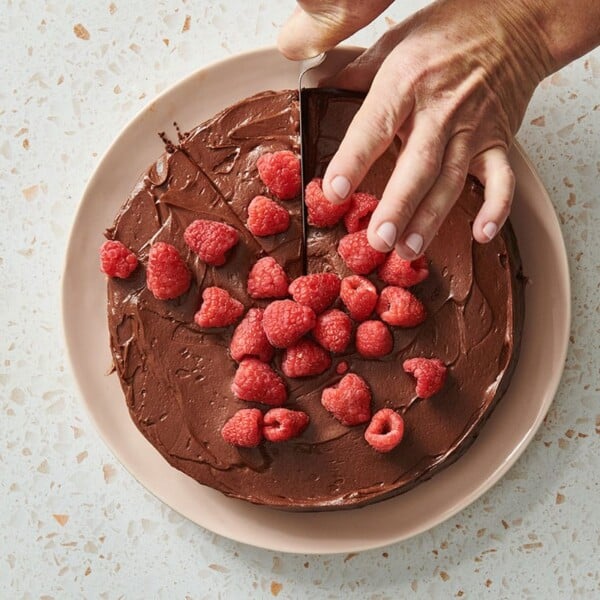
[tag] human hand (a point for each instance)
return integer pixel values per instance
(318, 25)
(453, 82)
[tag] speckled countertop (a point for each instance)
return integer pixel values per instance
(73, 523)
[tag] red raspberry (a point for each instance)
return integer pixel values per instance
(244, 428)
(342, 367)
(333, 330)
(398, 306)
(286, 321)
(359, 295)
(305, 358)
(281, 424)
(430, 374)
(267, 279)
(403, 273)
(280, 172)
(210, 240)
(358, 254)
(317, 291)
(385, 431)
(321, 212)
(255, 381)
(116, 260)
(167, 275)
(266, 217)
(249, 338)
(218, 308)
(373, 339)
(349, 401)
(359, 213)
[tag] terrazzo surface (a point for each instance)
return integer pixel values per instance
(73, 522)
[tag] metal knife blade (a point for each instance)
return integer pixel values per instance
(306, 66)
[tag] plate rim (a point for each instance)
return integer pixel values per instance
(288, 547)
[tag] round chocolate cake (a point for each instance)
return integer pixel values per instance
(177, 376)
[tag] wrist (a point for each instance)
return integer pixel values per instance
(510, 48)
(562, 30)
(524, 35)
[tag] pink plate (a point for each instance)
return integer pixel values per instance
(503, 438)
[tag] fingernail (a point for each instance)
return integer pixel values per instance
(415, 242)
(341, 186)
(490, 230)
(388, 232)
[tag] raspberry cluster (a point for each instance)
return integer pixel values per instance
(300, 324)
(321, 319)
(280, 172)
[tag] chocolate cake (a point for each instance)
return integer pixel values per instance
(177, 377)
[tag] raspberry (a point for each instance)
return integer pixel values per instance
(373, 339)
(266, 217)
(305, 358)
(359, 213)
(210, 240)
(398, 306)
(267, 279)
(255, 381)
(430, 374)
(333, 330)
(286, 321)
(342, 367)
(321, 212)
(385, 431)
(218, 308)
(249, 338)
(280, 172)
(281, 424)
(317, 291)
(167, 275)
(359, 295)
(116, 260)
(403, 273)
(244, 428)
(358, 254)
(349, 401)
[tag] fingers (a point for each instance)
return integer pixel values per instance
(370, 133)
(435, 206)
(319, 25)
(414, 214)
(415, 173)
(494, 171)
(302, 36)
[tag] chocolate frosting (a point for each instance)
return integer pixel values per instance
(176, 376)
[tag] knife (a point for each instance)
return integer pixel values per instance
(314, 103)
(306, 173)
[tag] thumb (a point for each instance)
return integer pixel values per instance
(320, 25)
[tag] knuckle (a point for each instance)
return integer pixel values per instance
(430, 216)
(402, 212)
(454, 174)
(429, 157)
(508, 175)
(368, 136)
(381, 126)
(362, 161)
(503, 203)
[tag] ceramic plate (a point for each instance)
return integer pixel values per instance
(503, 438)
